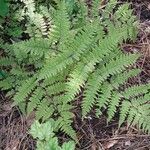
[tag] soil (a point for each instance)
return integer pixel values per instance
(93, 133)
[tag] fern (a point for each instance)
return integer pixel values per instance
(72, 54)
(80, 43)
(136, 90)
(95, 7)
(61, 24)
(31, 47)
(65, 122)
(55, 89)
(34, 100)
(113, 104)
(44, 111)
(103, 97)
(24, 90)
(101, 75)
(121, 78)
(6, 84)
(135, 114)
(5, 61)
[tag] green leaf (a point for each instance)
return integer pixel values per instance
(3, 8)
(42, 131)
(2, 74)
(68, 146)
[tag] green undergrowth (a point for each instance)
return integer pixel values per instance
(74, 51)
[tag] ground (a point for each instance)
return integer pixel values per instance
(93, 133)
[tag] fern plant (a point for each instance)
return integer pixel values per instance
(69, 56)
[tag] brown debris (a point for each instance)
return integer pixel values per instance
(13, 128)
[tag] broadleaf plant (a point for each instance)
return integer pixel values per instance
(46, 139)
(71, 55)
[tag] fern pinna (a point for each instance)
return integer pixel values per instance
(79, 54)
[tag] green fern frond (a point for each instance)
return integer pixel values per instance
(66, 128)
(101, 75)
(136, 90)
(55, 65)
(82, 13)
(78, 78)
(90, 92)
(65, 122)
(19, 72)
(73, 52)
(118, 65)
(124, 111)
(132, 114)
(5, 61)
(44, 110)
(113, 104)
(37, 25)
(40, 25)
(32, 46)
(34, 100)
(52, 80)
(7, 83)
(95, 7)
(109, 8)
(56, 88)
(61, 24)
(147, 96)
(109, 43)
(136, 115)
(23, 91)
(121, 78)
(141, 100)
(104, 96)
(124, 13)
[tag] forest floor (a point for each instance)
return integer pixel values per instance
(93, 133)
